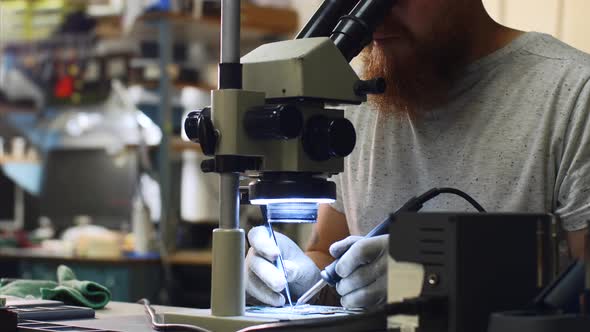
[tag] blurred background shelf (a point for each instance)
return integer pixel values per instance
(178, 85)
(10, 160)
(166, 57)
(257, 23)
(172, 54)
(191, 257)
(181, 257)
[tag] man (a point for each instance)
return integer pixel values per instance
(498, 113)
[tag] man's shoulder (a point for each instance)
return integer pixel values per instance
(557, 54)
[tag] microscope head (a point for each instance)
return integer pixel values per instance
(277, 129)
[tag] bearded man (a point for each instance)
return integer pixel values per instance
(499, 113)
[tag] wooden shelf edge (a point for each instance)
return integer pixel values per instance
(178, 85)
(261, 19)
(191, 257)
(8, 160)
(178, 144)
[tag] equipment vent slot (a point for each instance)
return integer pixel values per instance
(432, 264)
(432, 241)
(432, 252)
(432, 229)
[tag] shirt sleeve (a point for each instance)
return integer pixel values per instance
(573, 176)
(338, 205)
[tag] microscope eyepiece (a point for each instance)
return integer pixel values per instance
(323, 21)
(355, 30)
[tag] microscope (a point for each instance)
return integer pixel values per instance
(269, 122)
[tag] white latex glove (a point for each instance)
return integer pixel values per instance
(264, 281)
(363, 268)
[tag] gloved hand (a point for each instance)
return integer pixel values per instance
(264, 281)
(363, 268)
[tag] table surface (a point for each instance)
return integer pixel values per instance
(127, 317)
(131, 317)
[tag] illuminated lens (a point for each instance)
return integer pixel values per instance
(292, 212)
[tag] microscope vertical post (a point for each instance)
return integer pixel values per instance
(230, 31)
(227, 282)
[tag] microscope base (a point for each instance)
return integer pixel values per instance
(203, 318)
(216, 323)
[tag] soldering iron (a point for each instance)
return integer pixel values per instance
(329, 275)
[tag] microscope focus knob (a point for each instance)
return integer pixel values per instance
(199, 129)
(191, 126)
(280, 122)
(325, 138)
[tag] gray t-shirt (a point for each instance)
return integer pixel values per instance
(515, 136)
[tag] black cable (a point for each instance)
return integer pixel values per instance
(167, 327)
(416, 203)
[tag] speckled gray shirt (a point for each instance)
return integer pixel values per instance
(516, 136)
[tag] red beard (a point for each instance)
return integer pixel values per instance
(418, 80)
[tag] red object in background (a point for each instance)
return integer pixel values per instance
(64, 87)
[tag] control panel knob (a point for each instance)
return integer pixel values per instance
(280, 122)
(325, 138)
(199, 128)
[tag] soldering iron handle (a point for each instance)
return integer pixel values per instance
(329, 273)
(381, 229)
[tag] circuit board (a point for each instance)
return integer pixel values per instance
(301, 310)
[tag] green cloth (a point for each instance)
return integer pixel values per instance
(67, 289)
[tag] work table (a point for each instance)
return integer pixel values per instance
(130, 317)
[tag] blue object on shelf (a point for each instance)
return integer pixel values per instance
(148, 255)
(27, 125)
(25, 175)
(160, 5)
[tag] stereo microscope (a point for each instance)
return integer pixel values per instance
(269, 122)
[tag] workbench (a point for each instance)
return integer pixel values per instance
(116, 317)
(130, 317)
